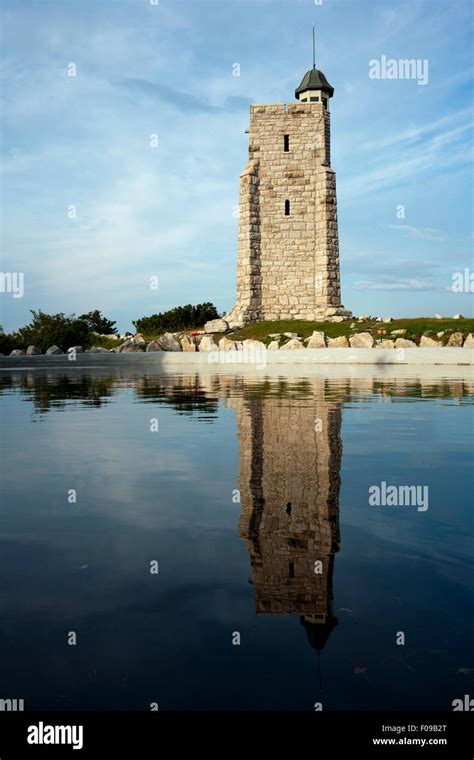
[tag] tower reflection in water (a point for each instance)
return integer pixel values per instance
(290, 459)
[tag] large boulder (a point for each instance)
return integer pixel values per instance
(139, 339)
(154, 345)
(227, 345)
(17, 352)
(456, 339)
(316, 340)
(188, 344)
(253, 345)
(340, 342)
(216, 326)
(398, 332)
(361, 340)
(53, 351)
(98, 350)
(427, 342)
(169, 343)
(75, 350)
(386, 343)
(32, 351)
(207, 344)
(274, 345)
(293, 343)
(469, 342)
(128, 347)
(404, 343)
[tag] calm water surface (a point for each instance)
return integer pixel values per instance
(246, 484)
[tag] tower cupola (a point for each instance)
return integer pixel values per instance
(314, 87)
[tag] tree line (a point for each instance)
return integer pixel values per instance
(45, 330)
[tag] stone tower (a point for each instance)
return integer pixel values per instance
(289, 489)
(288, 247)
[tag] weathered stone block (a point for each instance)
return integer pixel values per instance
(361, 340)
(456, 339)
(340, 342)
(316, 340)
(292, 344)
(216, 326)
(207, 343)
(427, 342)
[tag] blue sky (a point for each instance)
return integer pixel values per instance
(169, 212)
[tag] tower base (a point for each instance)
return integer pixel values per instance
(240, 316)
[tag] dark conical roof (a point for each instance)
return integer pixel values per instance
(318, 633)
(315, 80)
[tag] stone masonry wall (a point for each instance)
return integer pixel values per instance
(288, 266)
(284, 461)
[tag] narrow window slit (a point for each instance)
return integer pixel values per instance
(287, 208)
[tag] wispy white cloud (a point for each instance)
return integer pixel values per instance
(442, 152)
(394, 285)
(168, 70)
(419, 234)
(414, 133)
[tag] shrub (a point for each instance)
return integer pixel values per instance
(179, 318)
(98, 323)
(9, 342)
(46, 330)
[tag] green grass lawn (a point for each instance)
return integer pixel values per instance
(415, 327)
(99, 340)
